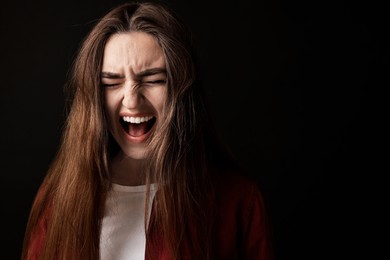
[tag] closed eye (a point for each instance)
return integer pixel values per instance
(160, 81)
(104, 85)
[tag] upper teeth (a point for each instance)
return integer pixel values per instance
(136, 120)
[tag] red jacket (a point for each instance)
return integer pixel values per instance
(241, 227)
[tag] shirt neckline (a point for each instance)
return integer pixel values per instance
(137, 188)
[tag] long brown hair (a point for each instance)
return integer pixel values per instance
(73, 192)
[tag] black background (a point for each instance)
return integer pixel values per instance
(296, 89)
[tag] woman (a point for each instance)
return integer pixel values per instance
(139, 172)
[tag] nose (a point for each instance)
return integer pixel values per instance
(131, 96)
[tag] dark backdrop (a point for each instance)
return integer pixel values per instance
(295, 89)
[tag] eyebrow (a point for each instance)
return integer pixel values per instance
(150, 72)
(142, 74)
(111, 75)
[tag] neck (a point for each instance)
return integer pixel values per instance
(126, 171)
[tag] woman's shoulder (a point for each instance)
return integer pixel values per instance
(237, 192)
(241, 221)
(236, 184)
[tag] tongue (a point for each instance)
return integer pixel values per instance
(137, 129)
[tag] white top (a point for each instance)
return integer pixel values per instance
(123, 230)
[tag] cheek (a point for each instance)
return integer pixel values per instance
(109, 106)
(158, 99)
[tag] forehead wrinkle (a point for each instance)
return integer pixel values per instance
(147, 65)
(144, 59)
(131, 53)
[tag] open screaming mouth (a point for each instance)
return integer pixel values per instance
(137, 126)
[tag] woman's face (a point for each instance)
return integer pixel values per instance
(135, 89)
